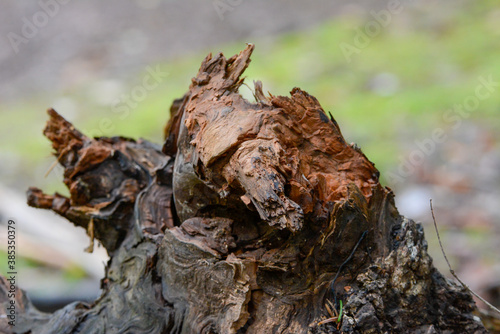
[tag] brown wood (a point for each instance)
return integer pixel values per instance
(252, 218)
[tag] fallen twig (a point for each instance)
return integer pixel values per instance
(453, 272)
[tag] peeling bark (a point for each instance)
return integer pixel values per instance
(252, 218)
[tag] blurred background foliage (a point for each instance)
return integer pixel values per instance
(393, 92)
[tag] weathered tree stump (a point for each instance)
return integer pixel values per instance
(252, 218)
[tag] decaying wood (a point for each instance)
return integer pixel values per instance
(252, 218)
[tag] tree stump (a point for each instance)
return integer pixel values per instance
(252, 218)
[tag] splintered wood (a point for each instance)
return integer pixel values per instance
(283, 155)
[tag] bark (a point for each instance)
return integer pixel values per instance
(252, 218)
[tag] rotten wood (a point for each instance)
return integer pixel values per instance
(254, 217)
